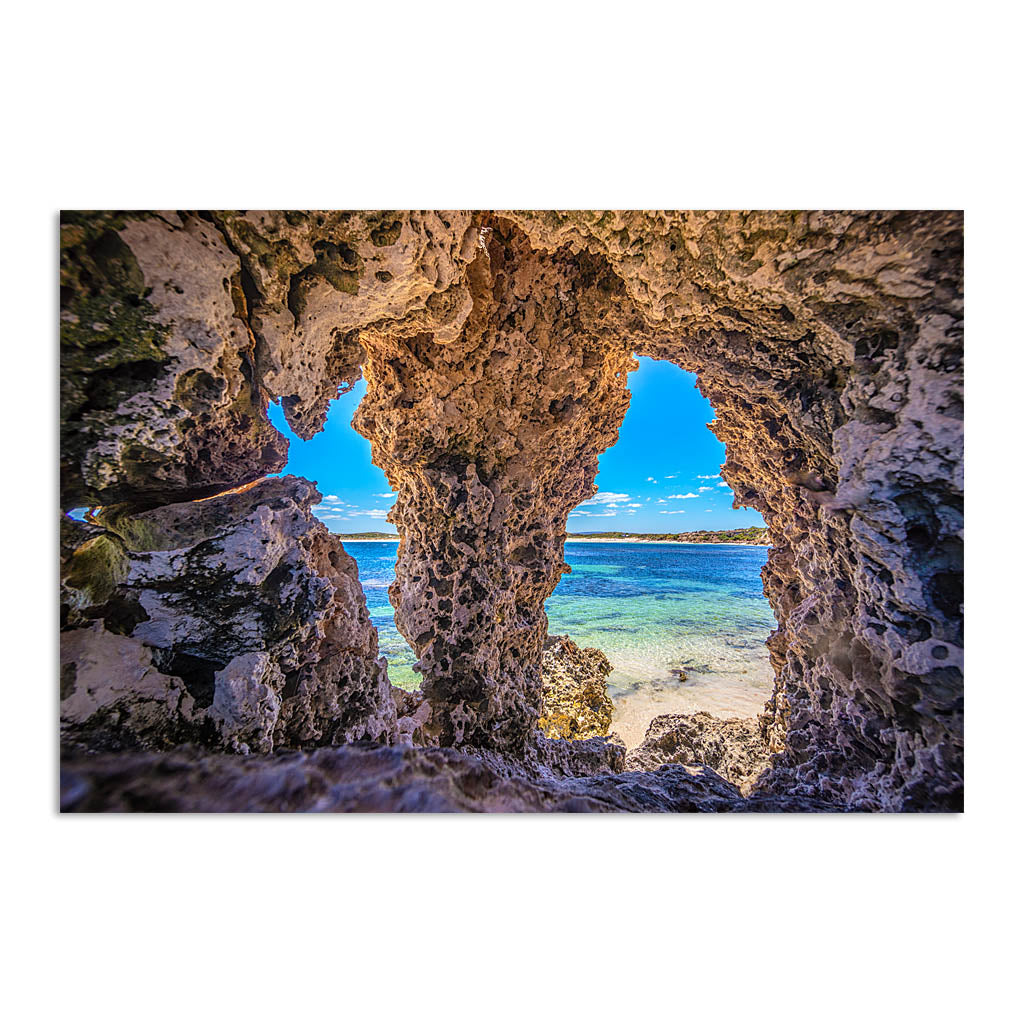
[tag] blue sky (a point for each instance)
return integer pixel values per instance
(660, 477)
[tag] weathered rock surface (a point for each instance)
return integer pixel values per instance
(575, 698)
(495, 348)
(733, 747)
(249, 608)
(564, 756)
(177, 327)
(413, 713)
(109, 683)
(489, 439)
(366, 777)
(159, 392)
(831, 345)
(599, 755)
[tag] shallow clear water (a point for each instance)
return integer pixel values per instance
(651, 608)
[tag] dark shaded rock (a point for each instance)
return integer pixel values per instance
(597, 755)
(364, 777)
(249, 630)
(159, 400)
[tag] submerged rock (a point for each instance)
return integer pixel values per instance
(575, 705)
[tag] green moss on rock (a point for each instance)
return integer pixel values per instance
(95, 570)
(111, 340)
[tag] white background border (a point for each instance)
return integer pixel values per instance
(201, 105)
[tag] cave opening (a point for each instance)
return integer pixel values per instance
(666, 573)
(682, 620)
(497, 348)
(356, 499)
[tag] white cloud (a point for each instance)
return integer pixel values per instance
(598, 515)
(671, 476)
(636, 506)
(723, 484)
(388, 495)
(661, 501)
(651, 480)
(710, 476)
(331, 497)
(709, 510)
(701, 490)
(690, 495)
(605, 498)
(672, 511)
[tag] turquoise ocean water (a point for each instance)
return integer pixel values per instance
(651, 608)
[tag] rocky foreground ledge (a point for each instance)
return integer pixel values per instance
(687, 763)
(366, 777)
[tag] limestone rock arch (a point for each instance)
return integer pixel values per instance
(495, 346)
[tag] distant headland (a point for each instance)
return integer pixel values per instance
(749, 535)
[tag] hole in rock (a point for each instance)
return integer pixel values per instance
(356, 501)
(682, 619)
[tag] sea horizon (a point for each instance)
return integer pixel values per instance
(587, 540)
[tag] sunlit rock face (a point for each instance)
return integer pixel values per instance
(733, 747)
(489, 440)
(575, 698)
(177, 327)
(495, 350)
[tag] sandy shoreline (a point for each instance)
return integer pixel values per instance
(724, 696)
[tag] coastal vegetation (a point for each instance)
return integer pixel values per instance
(747, 535)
